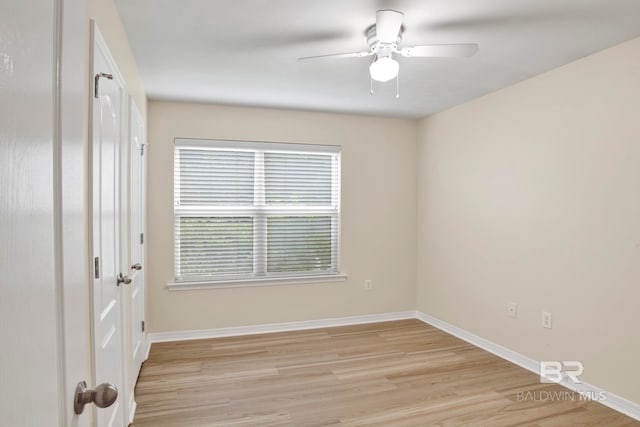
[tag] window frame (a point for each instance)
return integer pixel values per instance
(259, 211)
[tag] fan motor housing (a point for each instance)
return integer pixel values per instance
(372, 37)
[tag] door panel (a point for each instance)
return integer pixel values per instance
(28, 330)
(105, 146)
(136, 206)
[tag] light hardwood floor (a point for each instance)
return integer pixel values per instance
(402, 373)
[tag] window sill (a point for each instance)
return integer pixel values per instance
(243, 283)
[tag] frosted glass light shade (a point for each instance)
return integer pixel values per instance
(384, 69)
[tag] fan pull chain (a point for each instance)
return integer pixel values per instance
(397, 86)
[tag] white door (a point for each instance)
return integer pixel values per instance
(43, 276)
(106, 135)
(29, 354)
(136, 237)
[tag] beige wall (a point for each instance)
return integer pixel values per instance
(532, 195)
(378, 217)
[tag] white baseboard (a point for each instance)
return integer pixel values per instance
(147, 346)
(613, 401)
(491, 347)
(132, 408)
(277, 327)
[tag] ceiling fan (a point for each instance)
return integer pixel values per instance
(383, 39)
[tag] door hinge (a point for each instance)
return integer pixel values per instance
(141, 238)
(96, 267)
(142, 325)
(142, 149)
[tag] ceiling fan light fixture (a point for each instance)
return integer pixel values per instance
(384, 69)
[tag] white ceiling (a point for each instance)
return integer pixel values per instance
(244, 52)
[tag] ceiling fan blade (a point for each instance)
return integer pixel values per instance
(461, 50)
(388, 24)
(338, 55)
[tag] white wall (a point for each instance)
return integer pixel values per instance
(532, 195)
(377, 224)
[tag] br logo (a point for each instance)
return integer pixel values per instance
(553, 371)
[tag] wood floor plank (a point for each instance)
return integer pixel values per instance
(401, 373)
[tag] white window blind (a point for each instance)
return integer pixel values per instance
(252, 210)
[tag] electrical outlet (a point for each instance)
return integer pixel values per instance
(546, 319)
(367, 285)
(512, 309)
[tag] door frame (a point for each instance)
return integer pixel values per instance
(71, 209)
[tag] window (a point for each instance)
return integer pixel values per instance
(252, 211)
